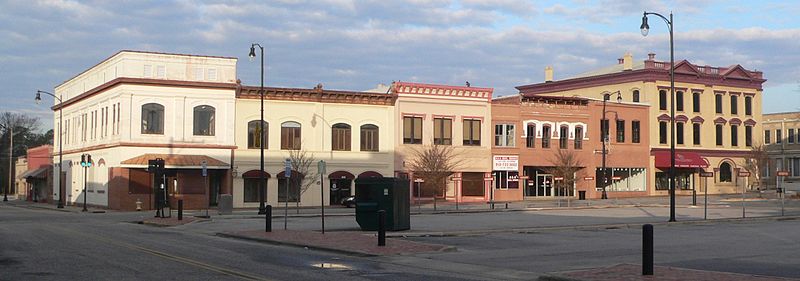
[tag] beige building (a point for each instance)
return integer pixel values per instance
(446, 115)
(717, 113)
(20, 185)
(781, 137)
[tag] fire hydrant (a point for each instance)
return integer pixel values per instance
(138, 204)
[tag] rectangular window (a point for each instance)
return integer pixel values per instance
(778, 136)
(161, 71)
(472, 184)
(794, 166)
(472, 132)
(790, 136)
(767, 138)
(578, 137)
(679, 132)
(546, 137)
(696, 133)
(734, 104)
(369, 138)
(734, 135)
(412, 130)
(748, 136)
(504, 135)
(251, 189)
(620, 130)
(635, 131)
(683, 180)
(718, 103)
(198, 74)
(294, 190)
(662, 132)
(340, 138)
(443, 131)
(530, 136)
(679, 101)
(695, 102)
(719, 134)
(662, 100)
(627, 179)
(748, 105)
(563, 137)
(148, 71)
(212, 74)
(290, 138)
(506, 179)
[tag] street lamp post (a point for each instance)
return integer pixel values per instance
(10, 161)
(261, 192)
(605, 128)
(60, 144)
(645, 29)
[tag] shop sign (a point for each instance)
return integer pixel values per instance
(419, 180)
(783, 173)
(616, 178)
(744, 174)
(707, 174)
(588, 178)
(455, 178)
(558, 178)
(505, 162)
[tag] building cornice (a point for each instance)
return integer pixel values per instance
(316, 95)
(141, 144)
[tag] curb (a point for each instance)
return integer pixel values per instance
(164, 225)
(320, 248)
(556, 278)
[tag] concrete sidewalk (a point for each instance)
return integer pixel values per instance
(633, 272)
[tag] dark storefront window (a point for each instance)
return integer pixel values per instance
(506, 179)
(725, 172)
(294, 189)
(251, 189)
(472, 184)
(683, 180)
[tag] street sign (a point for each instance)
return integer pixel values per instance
(204, 164)
(287, 168)
(706, 174)
(598, 188)
(616, 178)
(783, 173)
(321, 165)
(524, 177)
(419, 180)
(558, 178)
(488, 179)
(588, 178)
(744, 174)
(455, 179)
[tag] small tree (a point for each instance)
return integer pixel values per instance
(756, 162)
(434, 164)
(565, 164)
(301, 163)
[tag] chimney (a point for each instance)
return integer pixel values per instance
(627, 61)
(548, 74)
(651, 56)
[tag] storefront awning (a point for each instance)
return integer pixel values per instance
(682, 160)
(40, 173)
(176, 161)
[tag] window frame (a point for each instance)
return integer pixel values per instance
(679, 100)
(578, 142)
(734, 135)
(620, 130)
(696, 102)
(414, 126)
(291, 135)
(468, 132)
(718, 134)
(530, 135)
(211, 121)
(636, 131)
(506, 136)
(748, 105)
(748, 136)
(546, 135)
(718, 104)
(341, 137)
(443, 131)
(370, 137)
(251, 134)
(635, 96)
(735, 104)
(662, 100)
(696, 130)
(679, 130)
(148, 110)
(563, 137)
(662, 132)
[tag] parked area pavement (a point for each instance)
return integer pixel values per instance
(633, 272)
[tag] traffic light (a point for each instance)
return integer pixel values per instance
(83, 160)
(88, 160)
(152, 165)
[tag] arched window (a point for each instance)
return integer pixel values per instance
(563, 135)
(635, 96)
(290, 135)
(369, 137)
(340, 137)
(204, 120)
(530, 135)
(578, 137)
(255, 134)
(725, 172)
(152, 119)
(546, 136)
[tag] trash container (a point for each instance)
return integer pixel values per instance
(225, 205)
(388, 194)
(582, 195)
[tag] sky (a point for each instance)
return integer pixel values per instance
(354, 45)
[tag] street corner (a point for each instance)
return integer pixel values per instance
(170, 221)
(634, 272)
(345, 242)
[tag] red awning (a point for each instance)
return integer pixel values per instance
(370, 174)
(682, 160)
(255, 174)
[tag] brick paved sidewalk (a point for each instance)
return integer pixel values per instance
(350, 242)
(633, 272)
(173, 221)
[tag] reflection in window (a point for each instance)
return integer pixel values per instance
(204, 120)
(725, 172)
(256, 134)
(152, 118)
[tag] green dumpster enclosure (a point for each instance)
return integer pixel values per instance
(388, 194)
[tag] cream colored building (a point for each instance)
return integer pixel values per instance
(781, 137)
(447, 115)
(717, 114)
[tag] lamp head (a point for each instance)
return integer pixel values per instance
(38, 98)
(252, 54)
(645, 27)
(619, 97)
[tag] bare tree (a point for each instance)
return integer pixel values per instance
(434, 164)
(25, 136)
(566, 164)
(302, 162)
(756, 162)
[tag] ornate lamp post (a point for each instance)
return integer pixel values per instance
(645, 29)
(606, 128)
(61, 191)
(261, 192)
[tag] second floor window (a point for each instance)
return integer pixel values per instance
(748, 105)
(340, 137)
(662, 100)
(635, 96)
(718, 103)
(257, 134)
(204, 120)
(578, 137)
(767, 138)
(412, 130)
(719, 134)
(635, 131)
(778, 136)
(696, 133)
(472, 132)
(443, 131)
(748, 136)
(545, 136)
(369, 137)
(504, 135)
(679, 101)
(152, 119)
(563, 136)
(679, 133)
(734, 104)
(662, 132)
(290, 136)
(695, 102)
(604, 128)
(620, 130)
(790, 136)
(530, 136)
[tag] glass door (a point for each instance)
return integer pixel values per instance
(544, 185)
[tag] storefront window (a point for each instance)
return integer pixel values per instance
(506, 179)
(251, 189)
(683, 180)
(472, 184)
(629, 179)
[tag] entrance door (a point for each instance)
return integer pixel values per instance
(340, 189)
(214, 185)
(544, 185)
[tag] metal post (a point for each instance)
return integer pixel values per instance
(672, 122)
(268, 218)
(604, 132)
(694, 193)
(10, 160)
(743, 212)
(322, 199)
(180, 209)
(705, 204)
(85, 170)
(381, 228)
(286, 205)
(261, 186)
(647, 249)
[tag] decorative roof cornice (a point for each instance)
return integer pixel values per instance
(442, 91)
(316, 95)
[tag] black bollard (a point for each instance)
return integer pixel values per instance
(381, 228)
(647, 249)
(180, 209)
(268, 215)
